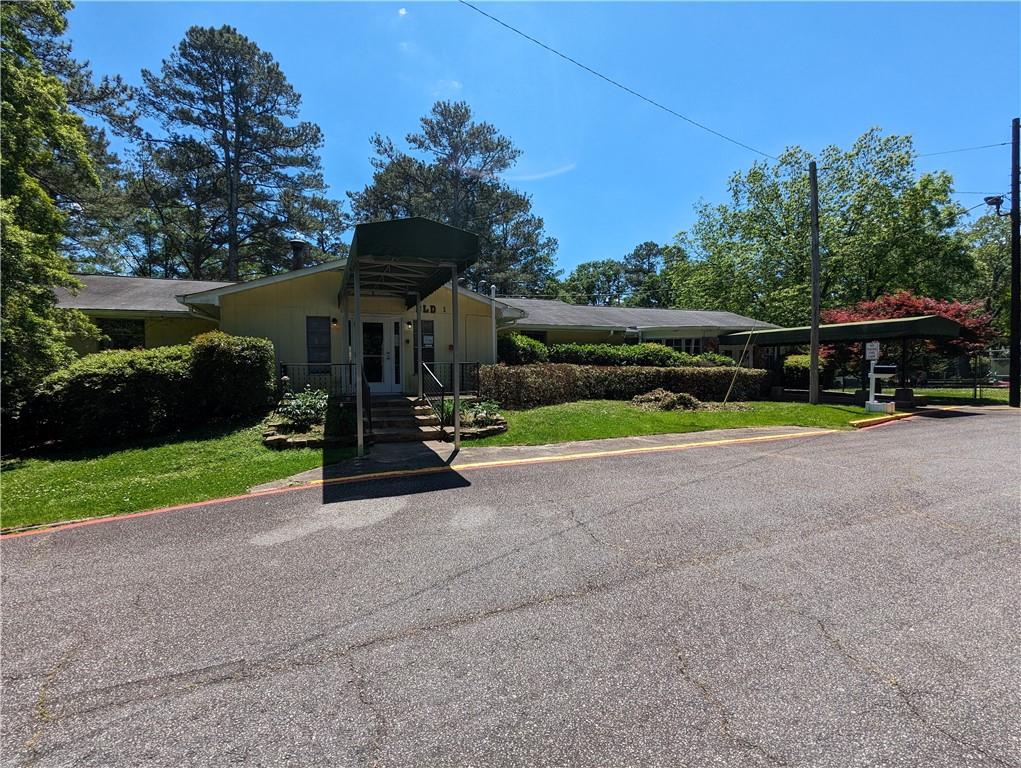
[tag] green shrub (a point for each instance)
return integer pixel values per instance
(664, 400)
(529, 386)
(796, 370)
(111, 396)
(518, 349)
(303, 409)
(233, 375)
(108, 397)
(714, 358)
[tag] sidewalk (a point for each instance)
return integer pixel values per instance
(390, 458)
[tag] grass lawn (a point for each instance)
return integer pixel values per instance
(963, 395)
(594, 419)
(157, 473)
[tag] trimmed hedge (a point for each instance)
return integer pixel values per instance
(518, 349)
(530, 386)
(648, 353)
(108, 397)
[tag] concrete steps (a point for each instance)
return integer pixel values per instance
(404, 419)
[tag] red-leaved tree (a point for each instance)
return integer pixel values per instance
(976, 323)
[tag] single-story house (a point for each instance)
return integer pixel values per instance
(400, 276)
(692, 331)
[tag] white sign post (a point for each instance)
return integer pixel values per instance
(872, 355)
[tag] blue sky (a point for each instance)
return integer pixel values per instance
(605, 170)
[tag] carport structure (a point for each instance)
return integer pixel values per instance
(397, 263)
(902, 329)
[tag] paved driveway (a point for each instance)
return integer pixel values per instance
(848, 599)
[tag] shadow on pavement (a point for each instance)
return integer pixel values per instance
(433, 458)
(940, 414)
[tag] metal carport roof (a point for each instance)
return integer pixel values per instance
(925, 327)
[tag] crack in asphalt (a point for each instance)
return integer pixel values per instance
(872, 670)
(724, 716)
(282, 660)
(41, 713)
(381, 727)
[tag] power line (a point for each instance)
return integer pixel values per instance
(963, 149)
(616, 83)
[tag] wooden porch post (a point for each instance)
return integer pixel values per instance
(360, 406)
(418, 341)
(455, 376)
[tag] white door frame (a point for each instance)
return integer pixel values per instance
(389, 385)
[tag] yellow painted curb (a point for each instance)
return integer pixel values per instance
(877, 420)
(563, 457)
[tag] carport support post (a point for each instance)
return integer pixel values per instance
(1014, 395)
(813, 371)
(418, 342)
(360, 406)
(455, 374)
(492, 299)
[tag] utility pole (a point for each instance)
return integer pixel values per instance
(1015, 270)
(813, 371)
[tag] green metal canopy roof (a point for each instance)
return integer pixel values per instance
(925, 327)
(406, 256)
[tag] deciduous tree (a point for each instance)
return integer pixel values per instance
(42, 143)
(884, 228)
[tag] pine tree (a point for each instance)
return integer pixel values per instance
(228, 113)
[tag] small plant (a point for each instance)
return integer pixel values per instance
(664, 400)
(482, 413)
(304, 409)
(474, 413)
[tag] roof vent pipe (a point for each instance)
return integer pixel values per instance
(297, 253)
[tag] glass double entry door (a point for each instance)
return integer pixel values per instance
(381, 350)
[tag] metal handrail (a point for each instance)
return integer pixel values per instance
(366, 400)
(444, 372)
(426, 386)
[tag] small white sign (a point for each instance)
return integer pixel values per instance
(872, 350)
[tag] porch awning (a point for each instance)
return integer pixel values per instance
(925, 327)
(405, 256)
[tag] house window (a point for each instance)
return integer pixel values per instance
(317, 343)
(121, 334)
(691, 346)
(428, 341)
(537, 335)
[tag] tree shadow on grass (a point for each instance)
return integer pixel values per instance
(59, 452)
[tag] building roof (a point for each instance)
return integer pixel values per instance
(127, 296)
(544, 314)
(924, 327)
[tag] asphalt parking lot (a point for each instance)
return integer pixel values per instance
(847, 599)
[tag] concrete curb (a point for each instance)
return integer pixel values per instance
(12, 533)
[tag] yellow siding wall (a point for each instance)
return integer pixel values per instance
(163, 332)
(277, 312)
